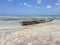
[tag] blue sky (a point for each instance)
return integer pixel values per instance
(29, 7)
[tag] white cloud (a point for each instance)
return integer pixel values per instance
(57, 5)
(49, 6)
(25, 3)
(10, 0)
(38, 1)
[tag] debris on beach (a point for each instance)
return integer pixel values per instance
(36, 21)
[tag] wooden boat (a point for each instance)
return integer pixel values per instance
(30, 22)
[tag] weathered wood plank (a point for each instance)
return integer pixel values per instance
(30, 22)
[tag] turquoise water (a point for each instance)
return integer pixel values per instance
(15, 18)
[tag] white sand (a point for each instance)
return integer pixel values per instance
(40, 34)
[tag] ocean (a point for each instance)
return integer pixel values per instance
(9, 18)
(16, 21)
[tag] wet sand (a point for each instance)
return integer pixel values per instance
(39, 34)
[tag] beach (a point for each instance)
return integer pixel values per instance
(38, 34)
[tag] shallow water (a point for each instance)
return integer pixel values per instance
(8, 21)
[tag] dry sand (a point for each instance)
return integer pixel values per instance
(39, 34)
